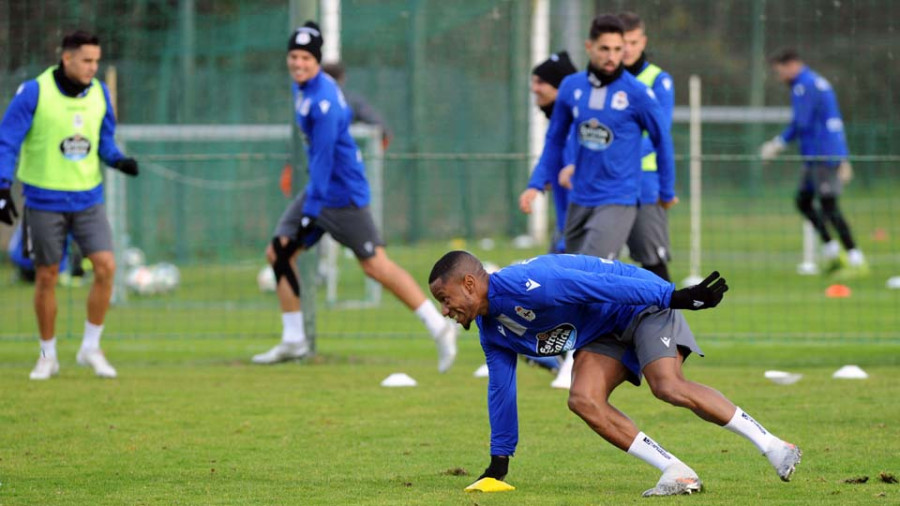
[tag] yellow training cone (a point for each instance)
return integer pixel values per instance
(489, 485)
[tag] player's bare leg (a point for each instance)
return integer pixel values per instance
(594, 377)
(45, 308)
(667, 382)
(399, 282)
(293, 343)
(89, 354)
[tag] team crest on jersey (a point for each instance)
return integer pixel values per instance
(557, 340)
(799, 90)
(594, 135)
(525, 314)
(324, 105)
(619, 101)
(75, 148)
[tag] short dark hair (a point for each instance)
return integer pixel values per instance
(79, 38)
(453, 262)
(335, 70)
(784, 55)
(606, 23)
(631, 21)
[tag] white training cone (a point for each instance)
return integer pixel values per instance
(782, 377)
(399, 379)
(481, 372)
(850, 372)
(894, 283)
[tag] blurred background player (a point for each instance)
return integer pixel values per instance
(335, 201)
(363, 112)
(648, 243)
(623, 324)
(608, 109)
(545, 81)
(819, 129)
(64, 124)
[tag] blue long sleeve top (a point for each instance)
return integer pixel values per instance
(336, 172)
(547, 306)
(15, 126)
(817, 123)
(607, 123)
(664, 90)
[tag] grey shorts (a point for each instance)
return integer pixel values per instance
(649, 239)
(821, 179)
(46, 232)
(653, 334)
(351, 226)
(598, 231)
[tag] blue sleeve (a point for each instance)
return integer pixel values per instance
(108, 150)
(804, 111)
(790, 132)
(323, 142)
(650, 117)
(555, 142)
(573, 286)
(14, 127)
(571, 152)
(502, 409)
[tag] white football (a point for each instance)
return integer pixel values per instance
(140, 280)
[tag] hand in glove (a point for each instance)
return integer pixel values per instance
(703, 296)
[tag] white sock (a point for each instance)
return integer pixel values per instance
(855, 257)
(831, 249)
(651, 452)
(292, 327)
(91, 340)
(432, 318)
(744, 424)
(48, 348)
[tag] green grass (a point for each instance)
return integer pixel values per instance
(189, 421)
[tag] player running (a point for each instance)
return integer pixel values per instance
(336, 201)
(622, 322)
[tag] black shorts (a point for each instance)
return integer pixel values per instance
(351, 226)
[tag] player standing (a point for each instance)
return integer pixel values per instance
(818, 127)
(335, 201)
(64, 124)
(622, 322)
(649, 239)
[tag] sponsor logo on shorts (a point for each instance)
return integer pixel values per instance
(75, 148)
(666, 340)
(594, 135)
(557, 340)
(525, 314)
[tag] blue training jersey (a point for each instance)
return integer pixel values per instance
(547, 306)
(542, 176)
(337, 175)
(607, 124)
(816, 124)
(13, 129)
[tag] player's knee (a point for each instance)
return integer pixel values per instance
(376, 267)
(830, 207)
(582, 403)
(104, 268)
(46, 277)
(804, 201)
(671, 391)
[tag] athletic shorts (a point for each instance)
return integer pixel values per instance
(649, 239)
(351, 226)
(653, 334)
(821, 179)
(46, 231)
(598, 231)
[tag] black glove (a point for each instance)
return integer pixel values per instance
(498, 468)
(703, 296)
(307, 225)
(128, 166)
(8, 212)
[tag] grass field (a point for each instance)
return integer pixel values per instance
(189, 421)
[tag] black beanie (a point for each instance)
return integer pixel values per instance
(555, 68)
(308, 38)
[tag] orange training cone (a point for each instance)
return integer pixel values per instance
(837, 292)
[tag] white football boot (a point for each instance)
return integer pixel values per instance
(45, 368)
(564, 376)
(95, 359)
(677, 479)
(784, 458)
(446, 346)
(282, 352)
